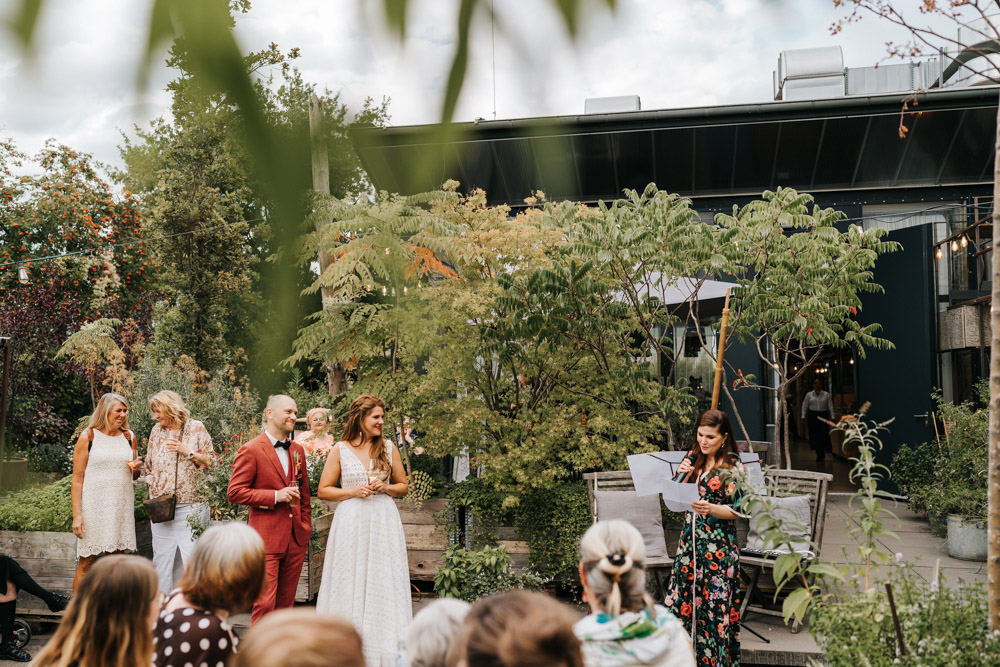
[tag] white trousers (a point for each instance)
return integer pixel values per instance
(171, 538)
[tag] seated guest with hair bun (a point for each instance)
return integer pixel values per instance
(224, 576)
(625, 627)
(301, 638)
(517, 629)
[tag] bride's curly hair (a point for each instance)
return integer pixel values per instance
(360, 409)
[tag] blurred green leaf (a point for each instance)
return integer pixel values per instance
(395, 16)
(24, 21)
(460, 62)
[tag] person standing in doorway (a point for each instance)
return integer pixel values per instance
(270, 476)
(818, 405)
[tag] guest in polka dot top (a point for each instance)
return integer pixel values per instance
(224, 577)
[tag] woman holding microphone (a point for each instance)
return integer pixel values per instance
(707, 566)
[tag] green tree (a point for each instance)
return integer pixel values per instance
(200, 186)
(799, 283)
(95, 260)
(492, 332)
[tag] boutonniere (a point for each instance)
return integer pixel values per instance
(295, 458)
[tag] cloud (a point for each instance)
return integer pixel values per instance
(672, 53)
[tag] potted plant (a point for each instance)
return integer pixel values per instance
(960, 476)
(915, 470)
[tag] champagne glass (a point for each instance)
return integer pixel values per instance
(373, 471)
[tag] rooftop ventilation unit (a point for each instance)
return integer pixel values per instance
(809, 74)
(612, 104)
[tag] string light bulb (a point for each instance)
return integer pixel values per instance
(937, 253)
(404, 289)
(387, 250)
(384, 291)
(22, 274)
(964, 241)
(954, 245)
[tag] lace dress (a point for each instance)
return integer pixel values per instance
(366, 577)
(107, 501)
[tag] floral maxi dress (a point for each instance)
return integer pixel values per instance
(707, 568)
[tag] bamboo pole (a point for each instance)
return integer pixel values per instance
(719, 356)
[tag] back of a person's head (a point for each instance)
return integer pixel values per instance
(300, 638)
(613, 556)
(517, 629)
(433, 631)
(226, 569)
(107, 622)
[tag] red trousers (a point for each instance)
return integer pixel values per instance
(281, 579)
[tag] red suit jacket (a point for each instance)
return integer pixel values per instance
(257, 474)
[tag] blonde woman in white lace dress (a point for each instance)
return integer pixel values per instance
(105, 462)
(366, 577)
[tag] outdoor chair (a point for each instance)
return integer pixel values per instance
(612, 496)
(786, 484)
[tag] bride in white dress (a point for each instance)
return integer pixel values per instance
(366, 577)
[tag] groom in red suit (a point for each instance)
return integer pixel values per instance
(270, 476)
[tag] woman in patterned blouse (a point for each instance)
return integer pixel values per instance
(178, 444)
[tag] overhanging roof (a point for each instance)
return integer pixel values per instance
(840, 144)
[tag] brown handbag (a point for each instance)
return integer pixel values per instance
(161, 508)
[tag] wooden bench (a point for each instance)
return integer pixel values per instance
(782, 484)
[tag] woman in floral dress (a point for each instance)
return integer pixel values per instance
(705, 585)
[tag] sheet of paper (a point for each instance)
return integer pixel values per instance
(678, 496)
(648, 470)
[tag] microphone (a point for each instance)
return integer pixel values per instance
(690, 458)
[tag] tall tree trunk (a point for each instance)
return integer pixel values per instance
(993, 554)
(336, 374)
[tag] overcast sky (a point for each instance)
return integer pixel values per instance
(672, 53)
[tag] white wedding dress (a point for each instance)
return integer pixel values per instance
(366, 576)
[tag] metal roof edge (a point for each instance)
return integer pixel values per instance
(770, 110)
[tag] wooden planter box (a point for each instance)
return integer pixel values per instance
(425, 543)
(50, 559)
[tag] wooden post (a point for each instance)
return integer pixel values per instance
(721, 354)
(336, 376)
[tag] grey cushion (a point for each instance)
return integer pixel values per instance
(643, 512)
(796, 521)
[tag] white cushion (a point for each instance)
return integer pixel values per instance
(643, 512)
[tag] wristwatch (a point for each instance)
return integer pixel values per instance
(190, 455)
